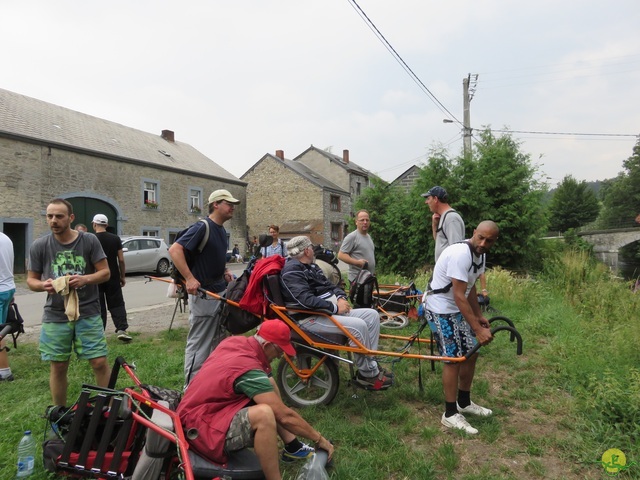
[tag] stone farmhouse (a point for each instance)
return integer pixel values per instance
(407, 179)
(313, 195)
(146, 184)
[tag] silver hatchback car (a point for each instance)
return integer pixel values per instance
(146, 254)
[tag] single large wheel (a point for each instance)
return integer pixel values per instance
(393, 320)
(163, 267)
(320, 389)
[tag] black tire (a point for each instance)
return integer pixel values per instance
(163, 267)
(320, 389)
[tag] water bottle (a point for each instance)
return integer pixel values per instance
(26, 455)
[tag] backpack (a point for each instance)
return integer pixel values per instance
(325, 254)
(362, 288)
(235, 319)
(327, 260)
(174, 273)
(14, 324)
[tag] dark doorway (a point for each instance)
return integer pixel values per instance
(17, 232)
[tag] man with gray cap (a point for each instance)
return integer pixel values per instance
(447, 225)
(206, 270)
(305, 287)
(110, 292)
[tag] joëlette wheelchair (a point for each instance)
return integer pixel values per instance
(131, 434)
(312, 377)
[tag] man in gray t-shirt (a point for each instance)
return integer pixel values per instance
(72, 263)
(357, 249)
(447, 224)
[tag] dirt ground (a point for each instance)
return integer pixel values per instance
(148, 320)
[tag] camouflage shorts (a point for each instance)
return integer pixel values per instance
(240, 433)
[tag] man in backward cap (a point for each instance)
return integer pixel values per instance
(447, 225)
(207, 270)
(234, 403)
(110, 292)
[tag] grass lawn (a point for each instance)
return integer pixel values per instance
(550, 421)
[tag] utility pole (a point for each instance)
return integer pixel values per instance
(468, 89)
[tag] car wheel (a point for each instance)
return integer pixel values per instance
(163, 267)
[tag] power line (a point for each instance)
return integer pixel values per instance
(400, 60)
(572, 134)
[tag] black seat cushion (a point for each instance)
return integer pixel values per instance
(242, 465)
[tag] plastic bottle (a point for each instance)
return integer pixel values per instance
(26, 455)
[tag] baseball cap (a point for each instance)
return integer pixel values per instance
(276, 331)
(220, 195)
(437, 192)
(100, 219)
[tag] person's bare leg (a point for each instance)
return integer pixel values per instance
(58, 382)
(467, 372)
(101, 370)
(4, 358)
(265, 444)
(450, 374)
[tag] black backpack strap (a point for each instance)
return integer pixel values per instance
(474, 265)
(441, 229)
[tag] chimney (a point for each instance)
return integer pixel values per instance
(280, 154)
(168, 135)
(345, 156)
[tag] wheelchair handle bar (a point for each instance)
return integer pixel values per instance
(507, 320)
(509, 328)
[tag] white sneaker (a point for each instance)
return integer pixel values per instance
(458, 422)
(474, 409)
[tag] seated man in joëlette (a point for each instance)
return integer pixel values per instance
(233, 403)
(305, 287)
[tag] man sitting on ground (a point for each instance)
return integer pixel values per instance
(305, 287)
(233, 403)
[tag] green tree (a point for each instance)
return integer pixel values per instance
(621, 196)
(497, 183)
(573, 205)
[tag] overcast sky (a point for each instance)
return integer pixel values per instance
(238, 79)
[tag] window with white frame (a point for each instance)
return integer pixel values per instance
(150, 194)
(195, 200)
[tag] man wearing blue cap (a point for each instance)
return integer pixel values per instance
(446, 223)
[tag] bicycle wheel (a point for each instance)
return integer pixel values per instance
(320, 389)
(393, 320)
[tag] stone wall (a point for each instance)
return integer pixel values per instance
(278, 195)
(33, 175)
(320, 163)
